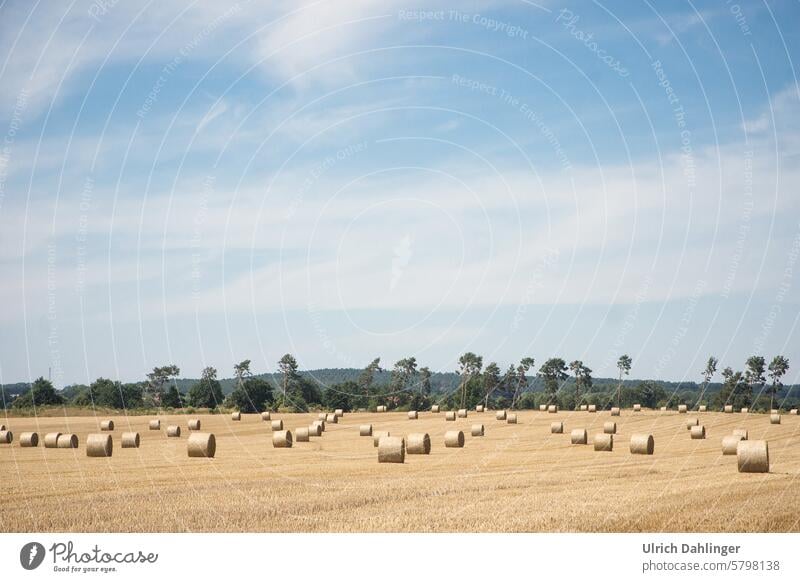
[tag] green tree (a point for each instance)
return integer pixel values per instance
(474, 391)
(708, 373)
(341, 395)
(735, 390)
(520, 380)
(754, 375)
(425, 380)
(491, 381)
(649, 394)
(207, 393)
(242, 371)
(156, 380)
(367, 377)
(419, 401)
(469, 366)
(553, 371)
(778, 367)
(82, 398)
(404, 373)
(172, 398)
(624, 366)
(304, 392)
(111, 394)
(41, 393)
(725, 394)
(297, 391)
(104, 392)
(131, 395)
(583, 379)
(252, 395)
(287, 366)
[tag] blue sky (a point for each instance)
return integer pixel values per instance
(205, 182)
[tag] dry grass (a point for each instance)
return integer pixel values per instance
(516, 478)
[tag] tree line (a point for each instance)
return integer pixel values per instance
(408, 386)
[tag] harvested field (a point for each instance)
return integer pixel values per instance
(518, 477)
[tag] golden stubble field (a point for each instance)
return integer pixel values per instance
(517, 478)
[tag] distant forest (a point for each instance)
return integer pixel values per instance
(408, 387)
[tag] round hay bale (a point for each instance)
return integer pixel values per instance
(552, 409)
(698, 432)
(462, 413)
(642, 444)
(728, 409)
(774, 411)
(610, 427)
(742, 432)
(201, 444)
(479, 408)
(6, 437)
(321, 424)
(99, 445)
(339, 412)
(578, 436)
(301, 434)
(266, 415)
(29, 439)
(155, 424)
(381, 409)
(365, 430)
(282, 439)
(614, 411)
(543, 408)
(419, 443)
(194, 424)
(314, 430)
(173, 431)
(603, 442)
(412, 415)
(130, 440)
(322, 416)
(276, 425)
(392, 450)
(51, 440)
(556, 428)
(682, 409)
(637, 407)
(450, 415)
(793, 411)
(702, 408)
(236, 415)
(511, 419)
(584, 407)
(106, 425)
(378, 435)
(730, 443)
(454, 439)
(332, 418)
(592, 408)
(663, 409)
(67, 441)
(745, 410)
(500, 415)
(477, 430)
(753, 456)
(435, 408)
(774, 418)
(690, 422)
